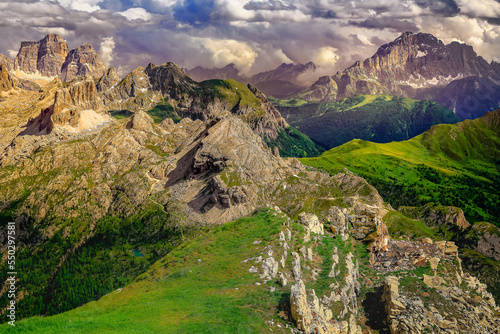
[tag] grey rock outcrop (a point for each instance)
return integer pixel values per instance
(312, 222)
(108, 80)
(310, 315)
(269, 268)
(338, 222)
(469, 307)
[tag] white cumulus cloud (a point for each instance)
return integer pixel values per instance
(227, 51)
(106, 50)
(136, 13)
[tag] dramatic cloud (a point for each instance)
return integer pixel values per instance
(230, 51)
(256, 35)
(106, 51)
(480, 8)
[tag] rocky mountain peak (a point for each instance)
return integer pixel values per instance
(82, 61)
(44, 57)
(410, 65)
(50, 57)
(169, 78)
(108, 79)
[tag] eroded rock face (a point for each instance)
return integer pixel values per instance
(82, 61)
(7, 62)
(133, 92)
(364, 223)
(338, 220)
(45, 56)
(489, 245)
(141, 121)
(6, 82)
(485, 239)
(301, 312)
(407, 313)
(50, 57)
(108, 80)
(80, 95)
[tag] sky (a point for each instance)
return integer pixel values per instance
(255, 35)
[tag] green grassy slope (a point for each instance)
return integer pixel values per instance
(378, 118)
(454, 165)
(117, 251)
(203, 286)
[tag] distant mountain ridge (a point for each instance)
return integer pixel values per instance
(415, 65)
(280, 82)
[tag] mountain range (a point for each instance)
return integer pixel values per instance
(163, 203)
(419, 66)
(282, 82)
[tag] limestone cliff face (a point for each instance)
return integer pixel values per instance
(412, 60)
(6, 82)
(80, 95)
(133, 92)
(82, 61)
(107, 81)
(6, 62)
(45, 56)
(27, 57)
(50, 57)
(408, 66)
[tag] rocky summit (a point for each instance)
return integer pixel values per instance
(50, 57)
(415, 65)
(82, 61)
(7, 62)
(44, 57)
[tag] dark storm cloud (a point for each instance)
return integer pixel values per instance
(386, 23)
(442, 7)
(323, 13)
(494, 21)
